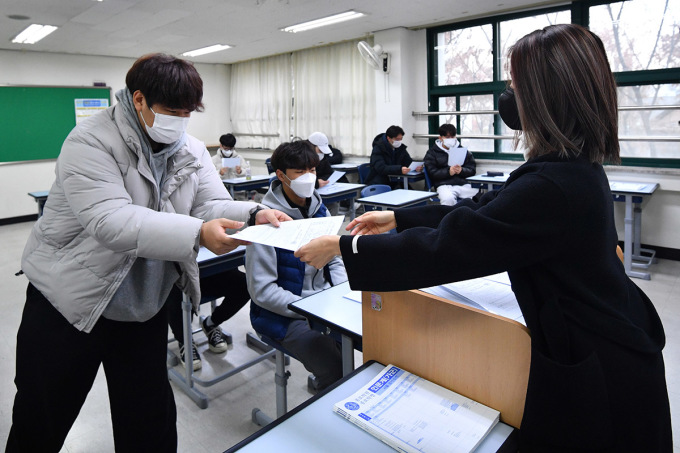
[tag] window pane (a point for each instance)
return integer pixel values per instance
(465, 56)
(644, 123)
(639, 34)
(512, 30)
(472, 124)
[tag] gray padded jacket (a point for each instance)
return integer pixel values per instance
(104, 210)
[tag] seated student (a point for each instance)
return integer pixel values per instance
(276, 278)
(226, 149)
(449, 180)
(232, 286)
(389, 157)
(324, 170)
(336, 155)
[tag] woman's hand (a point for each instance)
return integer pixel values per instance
(374, 222)
(214, 238)
(318, 252)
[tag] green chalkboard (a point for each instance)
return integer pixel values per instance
(34, 121)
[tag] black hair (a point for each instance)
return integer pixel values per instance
(299, 155)
(166, 80)
(394, 131)
(447, 129)
(228, 140)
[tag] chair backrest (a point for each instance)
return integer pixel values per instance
(268, 163)
(363, 170)
(375, 189)
(428, 182)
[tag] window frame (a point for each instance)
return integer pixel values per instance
(580, 14)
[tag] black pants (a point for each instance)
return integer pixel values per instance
(52, 384)
(230, 284)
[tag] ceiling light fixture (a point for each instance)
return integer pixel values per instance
(33, 33)
(205, 50)
(342, 17)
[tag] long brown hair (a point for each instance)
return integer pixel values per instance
(566, 93)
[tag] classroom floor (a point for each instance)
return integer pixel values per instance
(226, 421)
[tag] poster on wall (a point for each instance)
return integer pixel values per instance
(85, 108)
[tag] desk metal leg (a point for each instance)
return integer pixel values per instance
(647, 256)
(352, 209)
(347, 355)
(405, 183)
(630, 236)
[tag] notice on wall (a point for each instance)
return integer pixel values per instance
(85, 108)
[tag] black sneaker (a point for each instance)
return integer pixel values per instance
(216, 341)
(194, 352)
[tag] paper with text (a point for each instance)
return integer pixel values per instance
(333, 178)
(293, 234)
(457, 156)
(412, 414)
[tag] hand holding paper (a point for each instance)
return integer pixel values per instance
(291, 235)
(457, 156)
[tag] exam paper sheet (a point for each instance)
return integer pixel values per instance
(293, 234)
(231, 162)
(333, 178)
(457, 156)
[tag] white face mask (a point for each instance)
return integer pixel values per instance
(320, 156)
(303, 185)
(396, 143)
(227, 152)
(166, 128)
(450, 143)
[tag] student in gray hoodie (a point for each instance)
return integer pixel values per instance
(276, 278)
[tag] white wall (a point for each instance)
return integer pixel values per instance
(36, 68)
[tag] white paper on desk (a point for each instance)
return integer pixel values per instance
(627, 186)
(491, 293)
(354, 295)
(332, 179)
(293, 234)
(457, 156)
(231, 162)
(415, 165)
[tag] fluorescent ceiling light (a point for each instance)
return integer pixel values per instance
(33, 33)
(342, 17)
(205, 50)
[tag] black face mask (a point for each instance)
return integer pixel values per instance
(507, 109)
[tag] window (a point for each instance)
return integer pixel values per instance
(465, 56)
(472, 124)
(639, 34)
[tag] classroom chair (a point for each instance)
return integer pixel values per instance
(363, 170)
(428, 184)
(268, 163)
(374, 189)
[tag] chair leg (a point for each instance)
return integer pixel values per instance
(281, 379)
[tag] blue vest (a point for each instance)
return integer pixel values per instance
(291, 277)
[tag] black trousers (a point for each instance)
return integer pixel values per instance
(230, 284)
(57, 365)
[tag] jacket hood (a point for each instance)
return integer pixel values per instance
(381, 139)
(275, 199)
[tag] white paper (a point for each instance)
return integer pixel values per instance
(231, 162)
(332, 179)
(412, 414)
(457, 156)
(415, 165)
(293, 234)
(354, 295)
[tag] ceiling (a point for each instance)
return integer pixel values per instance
(130, 28)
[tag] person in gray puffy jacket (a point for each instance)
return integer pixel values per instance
(133, 199)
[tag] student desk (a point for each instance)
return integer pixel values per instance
(487, 182)
(332, 310)
(40, 197)
(348, 168)
(633, 193)
(314, 427)
(396, 199)
(408, 177)
(209, 264)
(339, 191)
(254, 183)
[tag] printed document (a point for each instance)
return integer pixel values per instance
(457, 156)
(411, 414)
(293, 234)
(231, 162)
(413, 166)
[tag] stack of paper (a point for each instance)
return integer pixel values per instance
(411, 414)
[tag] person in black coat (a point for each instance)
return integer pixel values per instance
(389, 157)
(449, 180)
(597, 378)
